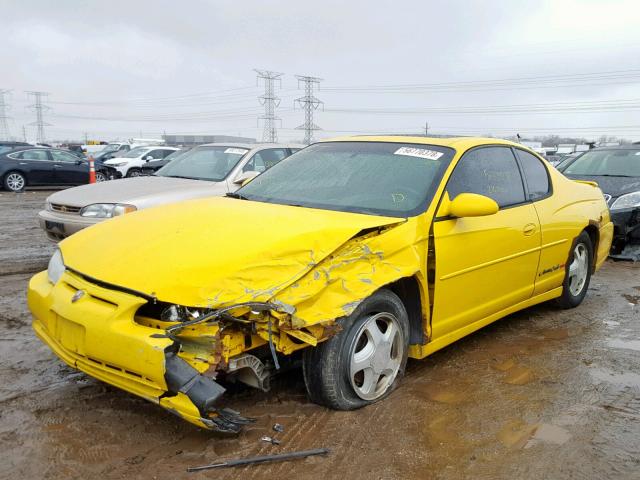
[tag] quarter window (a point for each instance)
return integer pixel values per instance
(489, 171)
(535, 174)
(265, 159)
(59, 156)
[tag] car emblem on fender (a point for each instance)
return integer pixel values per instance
(77, 296)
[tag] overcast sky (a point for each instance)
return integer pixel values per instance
(119, 69)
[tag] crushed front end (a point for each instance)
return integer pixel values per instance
(167, 354)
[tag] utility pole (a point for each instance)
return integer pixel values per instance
(24, 133)
(39, 108)
(4, 119)
(308, 103)
(270, 103)
(426, 129)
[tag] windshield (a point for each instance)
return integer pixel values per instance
(136, 152)
(624, 163)
(110, 148)
(392, 179)
(211, 163)
(174, 155)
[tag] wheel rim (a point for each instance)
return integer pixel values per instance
(15, 182)
(100, 177)
(578, 269)
(375, 356)
(134, 173)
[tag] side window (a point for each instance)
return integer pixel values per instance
(166, 153)
(59, 156)
(256, 164)
(34, 155)
(535, 174)
(489, 171)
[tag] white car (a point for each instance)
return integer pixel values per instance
(130, 164)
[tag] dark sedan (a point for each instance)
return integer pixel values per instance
(32, 166)
(617, 172)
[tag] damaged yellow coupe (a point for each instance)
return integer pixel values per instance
(348, 257)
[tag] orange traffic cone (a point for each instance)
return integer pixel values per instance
(92, 170)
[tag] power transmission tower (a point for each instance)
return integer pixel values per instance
(4, 119)
(270, 102)
(309, 103)
(39, 108)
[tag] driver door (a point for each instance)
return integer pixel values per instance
(484, 264)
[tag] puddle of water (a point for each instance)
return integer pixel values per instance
(519, 375)
(548, 433)
(624, 344)
(516, 433)
(625, 378)
(504, 365)
(555, 333)
(444, 395)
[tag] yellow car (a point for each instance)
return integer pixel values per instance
(349, 256)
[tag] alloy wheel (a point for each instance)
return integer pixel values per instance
(15, 182)
(375, 356)
(578, 269)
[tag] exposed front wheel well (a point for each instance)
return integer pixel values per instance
(408, 289)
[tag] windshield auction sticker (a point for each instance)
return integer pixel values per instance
(236, 151)
(418, 152)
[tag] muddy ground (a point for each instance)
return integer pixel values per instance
(541, 394)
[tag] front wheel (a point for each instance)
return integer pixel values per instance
(578, 272)
(366, 360)
(101, 177)
(133, 172)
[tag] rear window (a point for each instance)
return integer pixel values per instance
(615, 163)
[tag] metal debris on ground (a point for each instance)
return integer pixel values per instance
(273, 441)
(262, 459)
(278, 427)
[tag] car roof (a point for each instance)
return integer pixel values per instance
(31, 147)
(251, 146)
(616, 147)
(461, 143)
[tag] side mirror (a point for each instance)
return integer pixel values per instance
(148, 157)
(244, 177)
(472, 205)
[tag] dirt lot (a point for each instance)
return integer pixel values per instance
(541, 394)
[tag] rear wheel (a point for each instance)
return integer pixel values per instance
(15, 181)
(578, 272)
(365, 362)
(133, 172)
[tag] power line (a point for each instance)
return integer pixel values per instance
(309, 104)
(39, 108)
(270, 103)
(4, 119)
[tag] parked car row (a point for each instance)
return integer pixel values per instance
(207, 170)
(347, 257)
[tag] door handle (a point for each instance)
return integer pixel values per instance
(529, 229)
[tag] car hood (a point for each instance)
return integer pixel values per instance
(113, 160)
(614, 186)
(212, 252)
(143, 192)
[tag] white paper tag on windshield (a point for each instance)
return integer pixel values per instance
(418, 152)
(237, 151)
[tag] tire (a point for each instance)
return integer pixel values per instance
(133, 172)
(101, 177)
(15, 182)
(333, 380)
(577, 272)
